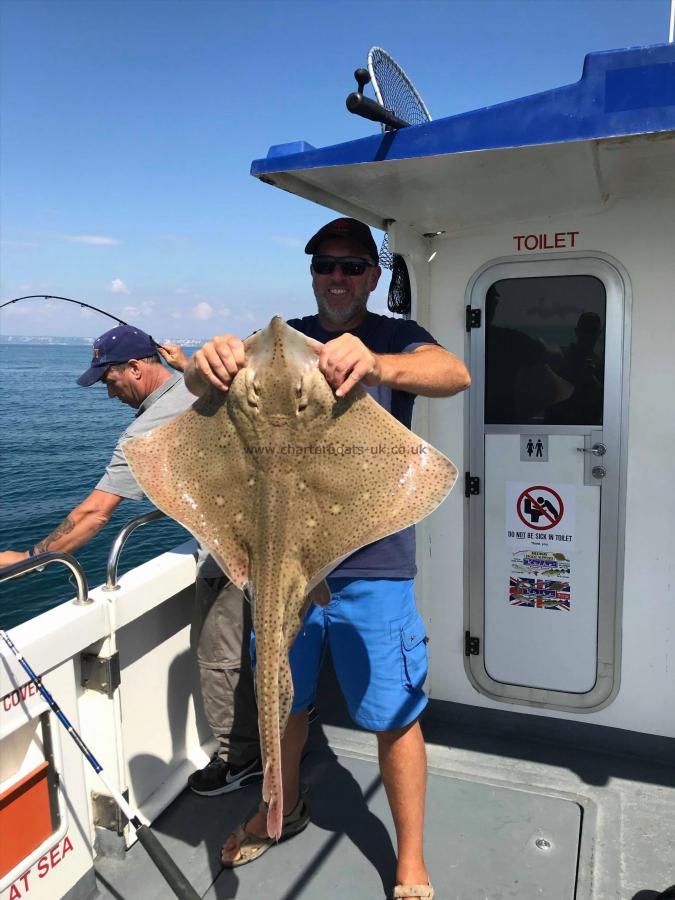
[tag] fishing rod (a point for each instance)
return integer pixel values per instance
(168, 868)
(68, 300)
(77, 303)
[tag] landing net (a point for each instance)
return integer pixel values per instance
(396, 92)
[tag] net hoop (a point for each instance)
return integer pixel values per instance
(394, 90)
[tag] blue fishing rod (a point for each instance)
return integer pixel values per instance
(167, 867)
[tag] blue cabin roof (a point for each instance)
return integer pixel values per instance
(621, 92)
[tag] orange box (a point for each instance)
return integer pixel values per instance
(25, 817)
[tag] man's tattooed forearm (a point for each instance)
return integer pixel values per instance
(64, 528)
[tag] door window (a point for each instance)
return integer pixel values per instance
(545, 351)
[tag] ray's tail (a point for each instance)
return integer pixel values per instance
(267, 678)
(274, 688)
(274, 800)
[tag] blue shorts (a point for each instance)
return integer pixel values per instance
(378, 643)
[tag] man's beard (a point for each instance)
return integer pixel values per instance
(342, 314)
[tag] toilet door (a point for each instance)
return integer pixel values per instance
(546, 438)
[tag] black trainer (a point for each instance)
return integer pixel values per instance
(219, 777)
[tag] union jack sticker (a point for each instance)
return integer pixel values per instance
(540, 593)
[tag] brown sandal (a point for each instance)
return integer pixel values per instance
(424, 891)
(251, 846)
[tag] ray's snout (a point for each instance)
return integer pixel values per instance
(281, 348)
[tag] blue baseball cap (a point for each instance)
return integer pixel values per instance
(118, 345)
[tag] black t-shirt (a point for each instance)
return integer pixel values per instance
(393, 556)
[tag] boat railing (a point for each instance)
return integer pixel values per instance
(40, 560)
(111, 583)
(99, 654)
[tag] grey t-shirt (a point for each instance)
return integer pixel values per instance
(166, 402)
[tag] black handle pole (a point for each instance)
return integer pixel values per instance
(371, 109)
(166, 866)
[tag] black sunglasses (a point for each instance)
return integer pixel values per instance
(349, 265)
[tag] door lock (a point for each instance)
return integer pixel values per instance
(598, 471)
(596, 449)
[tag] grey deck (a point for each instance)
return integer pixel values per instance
(492, 794)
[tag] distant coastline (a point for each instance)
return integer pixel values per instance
(41, 339)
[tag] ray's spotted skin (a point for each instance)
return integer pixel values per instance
(281, 480)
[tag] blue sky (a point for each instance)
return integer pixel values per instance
(129, 127)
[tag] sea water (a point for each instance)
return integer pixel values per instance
(56, 439)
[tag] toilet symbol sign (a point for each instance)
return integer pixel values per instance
(534, 448)
(540, 507)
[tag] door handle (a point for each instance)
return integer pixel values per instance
(596, 449)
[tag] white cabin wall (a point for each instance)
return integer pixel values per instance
(416, 250)
(639, 232)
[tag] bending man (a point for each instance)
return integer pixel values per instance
(125, 359)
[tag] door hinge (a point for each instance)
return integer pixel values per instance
(100, 673)
(473, 318)
(471, 644)
(471, 484)
(106, 813)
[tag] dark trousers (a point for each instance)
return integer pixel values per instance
(221, 632)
